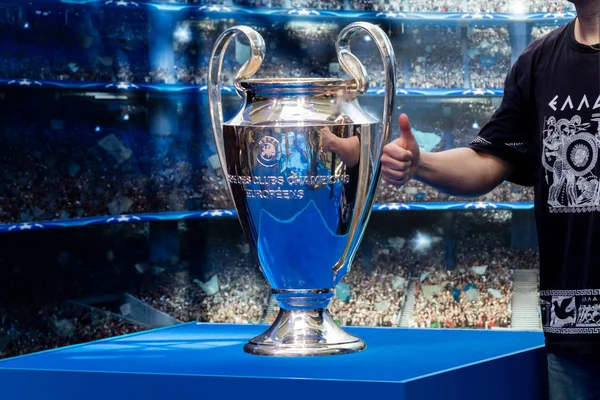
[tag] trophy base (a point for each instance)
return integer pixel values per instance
(304, 333)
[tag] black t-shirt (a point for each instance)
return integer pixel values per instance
(548, 127)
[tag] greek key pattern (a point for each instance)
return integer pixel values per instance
(578, 292)
(560, 210)
(571, 331)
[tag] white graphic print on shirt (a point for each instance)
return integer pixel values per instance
(570, 150)
(569, 156)
(570, 311)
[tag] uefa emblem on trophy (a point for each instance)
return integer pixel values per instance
(269, 151)
(302, 163)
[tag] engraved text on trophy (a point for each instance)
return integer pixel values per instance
(289, 163)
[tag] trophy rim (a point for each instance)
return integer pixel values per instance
(297, 83)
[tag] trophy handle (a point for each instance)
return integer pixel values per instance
(249, 68)
(352, 65)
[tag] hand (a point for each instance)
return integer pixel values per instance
(347, 149)
(327, 139)
(400, 158)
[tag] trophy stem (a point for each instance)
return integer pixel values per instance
(304, 333)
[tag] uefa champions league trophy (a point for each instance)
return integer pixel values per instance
(302, 163)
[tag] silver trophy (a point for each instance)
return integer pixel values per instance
(302, 163)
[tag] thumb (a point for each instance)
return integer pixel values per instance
(406, 136)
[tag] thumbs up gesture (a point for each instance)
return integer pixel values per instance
(400, 158)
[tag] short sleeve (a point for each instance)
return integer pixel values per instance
(508, 134)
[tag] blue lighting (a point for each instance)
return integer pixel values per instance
(97, 129)
(26, 25)
(126, 117)
(475, 125)
(185, 215)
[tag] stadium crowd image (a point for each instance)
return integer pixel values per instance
(154, 175)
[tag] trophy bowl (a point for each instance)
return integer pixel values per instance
(302, 162)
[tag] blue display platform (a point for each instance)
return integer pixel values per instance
(201, 361)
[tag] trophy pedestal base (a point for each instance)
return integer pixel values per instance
(304, 333)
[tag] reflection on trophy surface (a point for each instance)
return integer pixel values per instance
(301, 160)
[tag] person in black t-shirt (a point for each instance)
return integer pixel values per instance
(546, 134)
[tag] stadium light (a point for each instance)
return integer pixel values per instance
(183, 34)
(517, 7)
(475, 125)
(422, 242)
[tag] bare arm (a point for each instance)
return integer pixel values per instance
(458, 172)
(462, 172)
